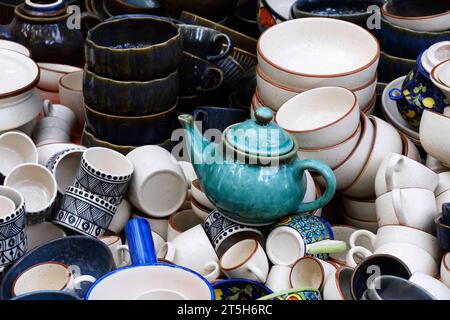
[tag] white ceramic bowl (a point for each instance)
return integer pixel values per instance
(335, 155)
(361, 209)
(318, 52)
(14, 46)
(281, 8)
(432, 23)
(434, 133)
(51, 73)
(320, 117)
(440, 75)
(46, 151)
(434, 55)
(200, 196)
(201, 211)
(387, 140)
(361, 224)
(368, 111)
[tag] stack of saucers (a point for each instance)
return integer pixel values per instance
(131, 81)
(318, 52)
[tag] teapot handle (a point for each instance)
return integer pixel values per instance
(330, 179)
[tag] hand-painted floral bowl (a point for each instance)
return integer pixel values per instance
(294, 294)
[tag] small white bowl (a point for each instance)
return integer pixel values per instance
(409, 149)
(315, 52)
(51, 73)
(440, 75)
(361, 209)
(14, 46)
(321, 117)
(200, 196)
(335, 155)
(361, 224)
(434, 133)
(432, 23)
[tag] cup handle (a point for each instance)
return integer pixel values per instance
(398, 208)
(396, 94)
(75, 283)
(122, 250)
(392, 168)
(259, 275)
(209, 77)
(327, 174)
(222, 55)
(326, 246)
(171, 251)
(362, 233)
(214, 274)
(350, 258)
(199, 112)
(48, 107)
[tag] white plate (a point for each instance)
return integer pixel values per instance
(391, 112)
(18, 71)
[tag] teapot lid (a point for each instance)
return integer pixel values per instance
(261, 136)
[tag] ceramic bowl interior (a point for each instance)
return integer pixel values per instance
(16, 148)
(416, 8)
(184, 220)
(315, 109)
(317, 50)
(72, 81)
(36, 183)
(92, 256)
(108, 161)
(116, 35)
(165, 282)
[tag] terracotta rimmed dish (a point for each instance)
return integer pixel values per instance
(14, 46)
(320, 117)
(386, 140)
(440, 75)
(51, 73)
(437, 19)
(321, 57)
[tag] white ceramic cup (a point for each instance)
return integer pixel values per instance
(414, 257)
(160, 226)
(121, 217)
(48, 276)
(119, 251)
(52, 122)
(188, 171)
(397, 233)
(46, 151)
(43, 233)
(278, 278)
(433, 286)
(199, 195)
(7, 206)
(445, 269)
(307, 272)
(64, 166)
(361, 209)
(337, 287)
(246, 259)
(71, 94)
(16, 148)
(50, 135)
(397, 172)
(38, 186)
(59, 111)
(410, 207)
(192, 249)
(181, 221)
(158, 187)
(201, 211)
(343, 233)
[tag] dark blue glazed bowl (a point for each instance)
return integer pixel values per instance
(47, 295)
(443, 233)
(218, 118)
(395, 288)
(92, 256)
(418, 93)
(391, 67)
(240, 289)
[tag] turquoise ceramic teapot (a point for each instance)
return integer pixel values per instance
(254, 176)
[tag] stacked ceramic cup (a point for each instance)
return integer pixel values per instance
(131, 81)
(318, 61)
(91, 202)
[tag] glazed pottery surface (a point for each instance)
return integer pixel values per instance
(215, 10)
(295, 294)
(240, 289)
(281, 191)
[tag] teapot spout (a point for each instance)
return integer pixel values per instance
(195, 142)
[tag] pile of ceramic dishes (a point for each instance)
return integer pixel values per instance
(131, 80)
(408, 30)
(318, 63)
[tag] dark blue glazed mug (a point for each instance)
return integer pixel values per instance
(147, 279)
(418, 93)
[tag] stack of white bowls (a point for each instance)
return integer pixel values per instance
(303, 54)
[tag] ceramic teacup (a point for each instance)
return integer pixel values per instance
(278, 278)
(295, 294)
(199, 195)
(307, 272)
(156, 167)
(388, 287)
(338, 287)
(397, 172)
(119, 251)
(299, 235)
(64, 166)
(84, 212)
(411, 207)
(50, 135)
(158, 225)
(343, 233)
(445, 269)
(59, 111)
(432, 285)
(12, 220)
(105, 173)
(192, 249)
(16, 148)
(397, 233)
(48, 276)
(38, 186)
(225, 233)
(181, 221)
(246, 259)
(71, 94)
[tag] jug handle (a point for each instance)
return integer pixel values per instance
(330, 179)
(140, 242)
(225, 53)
